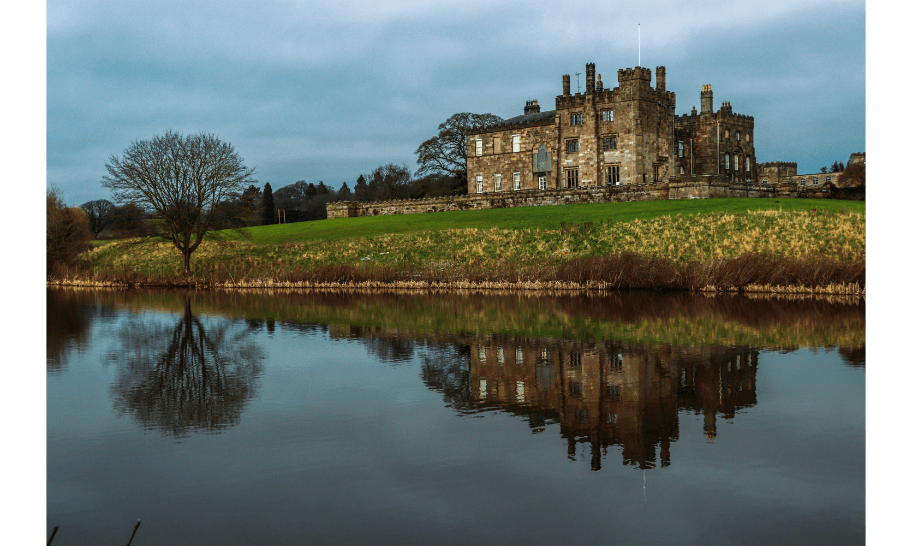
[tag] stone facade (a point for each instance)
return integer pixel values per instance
(620, 135)
(719, 143)
(626, 135)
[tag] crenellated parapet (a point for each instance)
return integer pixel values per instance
(782, 166)
(563, 102)
(778, 165)
(637, 73)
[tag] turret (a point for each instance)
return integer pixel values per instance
(590, 77)
(531, 107)
(566, 85)
(660, 79)
(598, 84)
(706, 100)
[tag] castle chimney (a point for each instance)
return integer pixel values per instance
(531, 107)
(660, 79)
(598, 84)
(706, 100)
(590, 77)
(566, 85)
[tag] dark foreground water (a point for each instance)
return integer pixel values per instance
(333, 418)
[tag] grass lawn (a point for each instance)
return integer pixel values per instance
(545, 218)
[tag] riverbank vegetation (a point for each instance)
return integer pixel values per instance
(717, 244)
(678, 320)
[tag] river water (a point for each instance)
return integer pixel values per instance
(319, 417)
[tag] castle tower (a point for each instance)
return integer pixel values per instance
(566, 85)
(590, 77)
(660, 79)
(598, 84)
(706, 100)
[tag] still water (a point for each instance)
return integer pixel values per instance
(356, 418)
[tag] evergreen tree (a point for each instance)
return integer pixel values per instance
(841, 166)
(361, 192)
(249, 205)
(322, 189)
(269, 213)
(345, 194)
(834, 168)
(310, 191)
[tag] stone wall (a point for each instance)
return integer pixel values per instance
(703, 187)
(505, 199)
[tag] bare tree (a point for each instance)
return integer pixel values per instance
(184, 180)
(101, 213)
(390, 182)
(445, 153)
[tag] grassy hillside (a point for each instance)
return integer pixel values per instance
(557, 243)
(543, 218)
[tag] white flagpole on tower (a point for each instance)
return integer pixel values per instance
(638, 45)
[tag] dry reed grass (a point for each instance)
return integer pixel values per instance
(748, 273)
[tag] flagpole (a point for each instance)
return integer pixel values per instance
(638, 45)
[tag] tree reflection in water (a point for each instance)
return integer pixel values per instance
(192, 377)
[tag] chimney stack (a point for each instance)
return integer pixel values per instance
(706, 100)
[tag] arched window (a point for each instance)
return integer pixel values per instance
(726, 162)
(736, 162)
(737, 135)
(726, 133)
(747, 137)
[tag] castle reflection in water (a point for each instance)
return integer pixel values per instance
(612, 394)
(600, 393)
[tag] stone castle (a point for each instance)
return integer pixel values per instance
(618, 144)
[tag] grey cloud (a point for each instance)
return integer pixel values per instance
(316, 92)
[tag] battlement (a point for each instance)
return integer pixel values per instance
(564, 102)
(638, 73)
(693, 115)
(778, 164)
(730, 114)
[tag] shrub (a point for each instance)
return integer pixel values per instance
(68, 232)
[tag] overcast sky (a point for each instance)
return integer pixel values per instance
(327, 91)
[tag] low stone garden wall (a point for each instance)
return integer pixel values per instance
(703, 187)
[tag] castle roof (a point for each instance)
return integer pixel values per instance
(538, 118)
